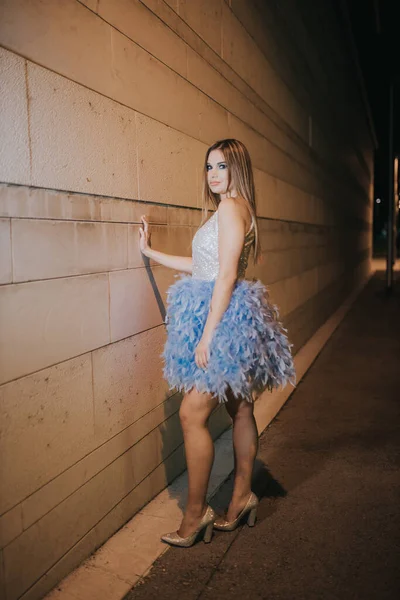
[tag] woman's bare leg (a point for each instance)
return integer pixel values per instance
(245, 446)
(194, 412)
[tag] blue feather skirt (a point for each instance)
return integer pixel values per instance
(249, 351)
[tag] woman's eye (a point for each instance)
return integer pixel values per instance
(222, 166)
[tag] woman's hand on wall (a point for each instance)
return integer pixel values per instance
(179, 263)
(144, 241)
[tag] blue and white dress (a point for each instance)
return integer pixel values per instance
(249, 351)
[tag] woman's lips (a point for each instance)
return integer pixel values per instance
(215, 183)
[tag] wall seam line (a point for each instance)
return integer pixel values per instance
(28, 109)
(11, 251)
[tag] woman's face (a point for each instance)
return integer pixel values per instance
(217, 172)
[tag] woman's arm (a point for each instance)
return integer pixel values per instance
(232, 229)
(179, 263)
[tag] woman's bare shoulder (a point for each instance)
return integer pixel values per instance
(235, 208)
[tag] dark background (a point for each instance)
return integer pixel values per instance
(375, 26)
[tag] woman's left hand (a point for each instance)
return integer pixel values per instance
(202, 353)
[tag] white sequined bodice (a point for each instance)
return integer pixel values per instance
(205, 251)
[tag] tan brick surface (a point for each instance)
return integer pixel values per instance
(14, 133)
(242, 54)
(101, 159)
(128, 382)
(134, 302)
(10, 525)
(169, 239)
(205, 18)
(114, 519)
(51, 34)
(2, 578)
(122, 105)
(153, 89)
(37, 203)
(65, 525)
(47, 426)
(45, 322)
(47, 249)
(170, 163)
(145, 29)
(58, 489)
(69, 522)
(5, 251)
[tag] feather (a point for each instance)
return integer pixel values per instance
(249, 351)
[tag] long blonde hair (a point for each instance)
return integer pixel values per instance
(240, 173)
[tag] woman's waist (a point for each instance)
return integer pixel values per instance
(198, 281)
(214, 279)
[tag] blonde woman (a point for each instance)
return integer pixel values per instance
(225, 343)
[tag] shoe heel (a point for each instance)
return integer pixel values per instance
(208, 533)
(252, 517)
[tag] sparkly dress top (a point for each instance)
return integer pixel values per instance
(205, 251)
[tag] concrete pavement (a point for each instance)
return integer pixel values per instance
(328, 477)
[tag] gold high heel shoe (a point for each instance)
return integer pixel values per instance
(207, 522)
(250, 508)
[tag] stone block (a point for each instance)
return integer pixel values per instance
(65, 38)
(5, 251)
(205, 19)
(208, 79)
(128, 211)
(135, 302)
(241, 52)
(2, 579)
(39, 203)
(152, 88)
(45, 249)
(101, 159)
(91, 4)
(47, 322)
(183, 216)
(54, 492)
(169, 163)
(48, 425)
(14, 130)
(67, 524)
(141, 25)
(111, 522)
(128, 382)
(46, 542)
(10, 525)
(214, 124)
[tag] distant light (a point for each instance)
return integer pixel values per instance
(378, 200)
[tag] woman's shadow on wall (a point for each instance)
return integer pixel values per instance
(156, 291)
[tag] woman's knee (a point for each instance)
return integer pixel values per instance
(243, 410)
(238, 407)
(195, 410)
(185, 415)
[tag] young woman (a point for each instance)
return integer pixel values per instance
(225, 343)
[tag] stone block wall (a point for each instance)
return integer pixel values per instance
(107, 108)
